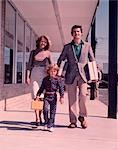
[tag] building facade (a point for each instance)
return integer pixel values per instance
(17, 39)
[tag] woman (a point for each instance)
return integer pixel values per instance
(36, 69)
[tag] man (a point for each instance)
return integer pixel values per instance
(76, 53)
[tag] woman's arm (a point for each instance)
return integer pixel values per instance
(30, 62)
(29, 67)
(28, 77)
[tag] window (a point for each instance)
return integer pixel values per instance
(20, 48)
(28, 38)
(33, 41)
(28, 46)
(9, 43)
(19, 41)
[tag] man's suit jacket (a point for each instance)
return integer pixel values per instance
(74, 65)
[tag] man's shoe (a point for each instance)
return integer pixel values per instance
(83, 122)
(72, 125)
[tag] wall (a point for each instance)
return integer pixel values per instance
(9, 92)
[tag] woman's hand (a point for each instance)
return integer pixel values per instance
(37, 98)
(61, 100)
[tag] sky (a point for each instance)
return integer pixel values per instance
(102, 23)
(102, 19)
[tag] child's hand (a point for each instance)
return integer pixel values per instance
(61, 100)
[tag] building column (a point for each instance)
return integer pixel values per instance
(93, 45)
(0, 45)
(2, 26)
(93, 36)
(112, 68)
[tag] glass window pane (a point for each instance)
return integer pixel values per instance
(28, 38)
(28, 46)
(20, 48)
(33, 41)
(9, 43)
(8, 62)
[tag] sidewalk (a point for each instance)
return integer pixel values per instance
(17, 133)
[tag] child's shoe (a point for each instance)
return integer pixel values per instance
(45, 127)
(51, 129)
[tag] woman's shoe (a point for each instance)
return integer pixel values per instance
(72, 125)
(37, 123)
(83, 122)
(41, 123)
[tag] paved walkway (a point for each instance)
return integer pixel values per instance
(17, 133)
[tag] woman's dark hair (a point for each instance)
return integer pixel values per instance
(38, 42)
(75, 27)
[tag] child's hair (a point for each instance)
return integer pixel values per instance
(52, 67)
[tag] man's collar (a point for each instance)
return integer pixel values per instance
(73, 43)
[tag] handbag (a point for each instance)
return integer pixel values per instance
(37, 104)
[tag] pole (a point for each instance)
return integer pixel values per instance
(112, 72)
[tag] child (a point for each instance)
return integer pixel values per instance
(51, 83)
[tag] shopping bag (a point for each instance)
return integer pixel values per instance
(37, 104)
